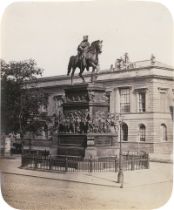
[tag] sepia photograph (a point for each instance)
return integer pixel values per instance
(87, 100)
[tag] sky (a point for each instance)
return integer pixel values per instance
(50, 32)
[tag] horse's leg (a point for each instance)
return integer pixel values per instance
(80, 74)
(72, 76)
(97, 68)
(69, 71)
(94, 66)
(70, 65)
(93, 74)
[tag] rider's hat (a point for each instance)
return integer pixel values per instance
(85, 37)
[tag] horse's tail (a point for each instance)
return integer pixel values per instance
(70, 64)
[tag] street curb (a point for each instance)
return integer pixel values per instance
(162, 161)
(64, 180)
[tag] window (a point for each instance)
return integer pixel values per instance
(163, 132)
(142, 132)
(124, 132)
(141, 102)
(125, 100)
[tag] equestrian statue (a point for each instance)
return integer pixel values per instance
(86, 57)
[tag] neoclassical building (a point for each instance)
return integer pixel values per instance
(143, 95)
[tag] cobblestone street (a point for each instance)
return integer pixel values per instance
(26, 192)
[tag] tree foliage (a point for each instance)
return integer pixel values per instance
(19, 104)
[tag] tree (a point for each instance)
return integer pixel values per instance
(20, 104)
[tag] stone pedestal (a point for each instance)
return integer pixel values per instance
(101, 145)
(84, 99)
(83, 129)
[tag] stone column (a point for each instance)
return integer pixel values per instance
(147, 100)
(132, 101)
(117, 100)
(112, 101)
(137, 101)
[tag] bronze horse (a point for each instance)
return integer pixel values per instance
(91, 57)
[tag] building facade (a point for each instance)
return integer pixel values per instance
(142, 95)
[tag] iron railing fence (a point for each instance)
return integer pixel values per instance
(77, 164)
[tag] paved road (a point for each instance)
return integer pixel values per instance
(34, 193)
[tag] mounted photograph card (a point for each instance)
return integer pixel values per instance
(87, 97)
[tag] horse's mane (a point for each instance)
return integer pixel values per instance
(93, 46)
(94, 42)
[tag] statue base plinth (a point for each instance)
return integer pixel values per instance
(87, 145)
(101, 145)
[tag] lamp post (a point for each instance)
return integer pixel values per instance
(120, 177)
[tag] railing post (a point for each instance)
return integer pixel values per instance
(116, 164)
(35, 162)
(66, 164)
(90, 164)
(50, 163)
(147, 160)
(22, 160)
(132, 163)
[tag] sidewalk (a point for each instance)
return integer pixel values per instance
(158, 173)
(162, 158)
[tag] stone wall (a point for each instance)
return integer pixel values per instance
(152, 118)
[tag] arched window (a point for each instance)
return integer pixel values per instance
(142, 132)
(124, 132)
(163, 131)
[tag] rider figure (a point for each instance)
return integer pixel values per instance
(82, 49)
